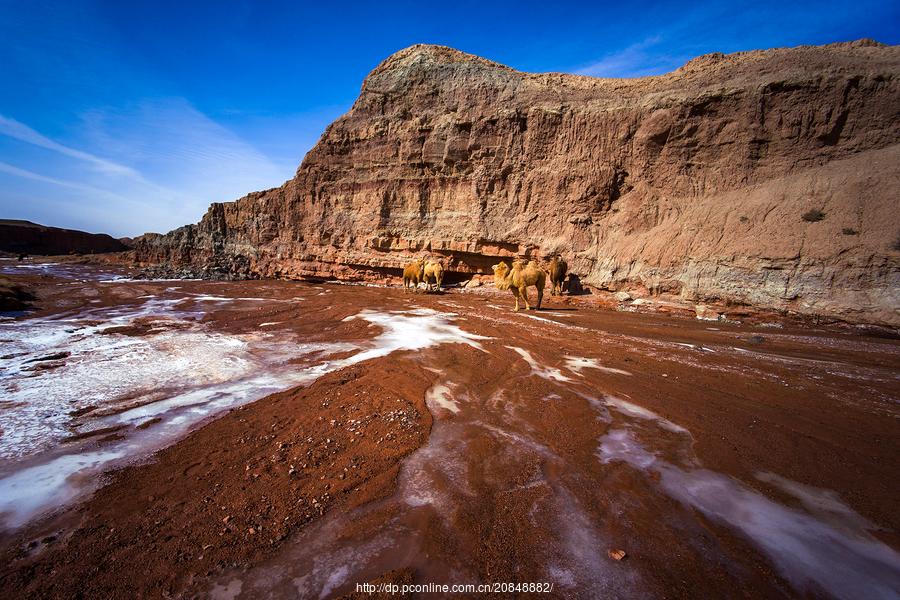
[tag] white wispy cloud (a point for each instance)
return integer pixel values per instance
(180, 148)
(637, 60)
(17, 130)
(73, 185)
(172, 161)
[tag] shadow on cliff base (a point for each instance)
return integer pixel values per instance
(573, 287)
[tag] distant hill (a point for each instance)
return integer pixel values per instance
(25, 237)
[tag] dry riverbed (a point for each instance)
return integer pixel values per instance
(284, 439)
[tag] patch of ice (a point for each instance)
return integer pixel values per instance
(210, 298)
(124, 279)
(335, 579)
(104, 368)
(26, 492)
(552, 322)
(695, 347)
(61, 473)
(618, 444)
(413, 330)
(440, 395)
(324, 571)
(549, 373)
(434, 473)
(537, 318)
(582, 552)
(826, 505)
(61, 270)
(640, 412)
(599, 406)
(181, 376)
(228, 591)
(36, 265)
(561, 576)
(577, 363)
(815, 556)
(576, 549)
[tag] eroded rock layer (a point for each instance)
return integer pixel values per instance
(768, 178)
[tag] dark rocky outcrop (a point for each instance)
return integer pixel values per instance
(25, 237)
(692, 183)
(14, 296)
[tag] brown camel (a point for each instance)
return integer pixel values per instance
(557, 272)
(518, 279)
(413, 273)
(434, 273)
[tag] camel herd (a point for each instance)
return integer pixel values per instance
(422, 271)
(517, 278)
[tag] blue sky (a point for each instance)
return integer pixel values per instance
(127, 117)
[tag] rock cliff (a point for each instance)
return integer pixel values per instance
(769, 178)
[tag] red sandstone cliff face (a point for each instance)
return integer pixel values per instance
(694, 182)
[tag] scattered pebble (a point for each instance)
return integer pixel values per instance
(617, 554)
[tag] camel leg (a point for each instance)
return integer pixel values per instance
(515, 294)
(540, 291)
(524, 293)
